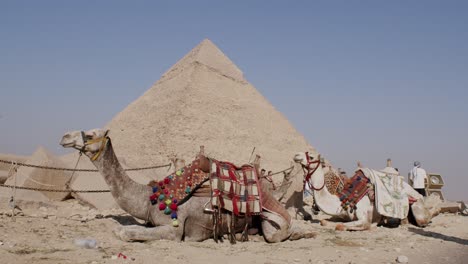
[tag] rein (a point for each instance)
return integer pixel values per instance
(310, 172)
(269, 178)
(87, 142)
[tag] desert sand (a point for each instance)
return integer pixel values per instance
(47, 233)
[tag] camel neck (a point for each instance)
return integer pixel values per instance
(131, 196)
(328, 203)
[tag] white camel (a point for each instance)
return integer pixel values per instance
(364, 214)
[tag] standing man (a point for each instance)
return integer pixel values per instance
(417, 175)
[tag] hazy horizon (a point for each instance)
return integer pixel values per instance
(365, 81)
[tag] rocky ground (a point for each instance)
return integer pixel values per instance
(51, 233)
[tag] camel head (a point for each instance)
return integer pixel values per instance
(89, 142)
(308, 160)
(425, 209)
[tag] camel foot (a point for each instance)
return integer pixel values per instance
(303, 234)
(140, 233)
(340, 227)
(299, 233)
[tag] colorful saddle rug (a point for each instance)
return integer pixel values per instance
(334, 183)
(177, 188)
(235, 189)
(354, 190)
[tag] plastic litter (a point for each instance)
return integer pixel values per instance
(86, 243)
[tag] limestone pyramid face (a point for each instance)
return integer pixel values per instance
(204, 100)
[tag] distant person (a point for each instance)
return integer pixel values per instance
(417, 175)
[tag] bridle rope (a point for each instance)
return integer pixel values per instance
(87, 142)
(311, 171)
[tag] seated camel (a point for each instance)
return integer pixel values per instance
(191, 221)
(362, 213)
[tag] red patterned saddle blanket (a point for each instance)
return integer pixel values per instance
(354, 190)
(235, 189)
(177, 188)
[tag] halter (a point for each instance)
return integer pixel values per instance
(87, 142)
(310, 172)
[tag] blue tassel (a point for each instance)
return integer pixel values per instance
(174, 215)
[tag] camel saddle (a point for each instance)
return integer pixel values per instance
(354, 190)
(235, 189)
(334, 182)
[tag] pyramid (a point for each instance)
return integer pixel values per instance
(204, 100)
(41, 178)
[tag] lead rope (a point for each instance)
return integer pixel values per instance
(67, 185)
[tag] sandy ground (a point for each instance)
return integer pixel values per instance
(46, 233)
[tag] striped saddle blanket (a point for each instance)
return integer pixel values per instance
(235, 189)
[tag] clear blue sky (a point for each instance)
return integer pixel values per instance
(362, 80)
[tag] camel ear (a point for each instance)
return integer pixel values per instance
(106, 133)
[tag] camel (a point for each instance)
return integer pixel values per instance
(194, 223)
(364, 215)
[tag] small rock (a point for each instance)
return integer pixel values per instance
(99, 216)
(1, 243)
(297, 260)
(398, 250)
(402, 259)
(114, 257)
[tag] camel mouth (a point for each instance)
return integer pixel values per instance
(67, 145)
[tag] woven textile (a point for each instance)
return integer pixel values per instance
(176, 188)
(353, 191)
(235, 189)
(334, 183)
(391, 197)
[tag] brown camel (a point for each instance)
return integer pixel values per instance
(194, 223)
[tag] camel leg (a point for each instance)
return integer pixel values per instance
(140, 233)
(298, 233)
(364, 216)
(276, 229)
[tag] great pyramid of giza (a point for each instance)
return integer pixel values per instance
(204, 100)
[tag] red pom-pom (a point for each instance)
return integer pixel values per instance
(166, 191)
(162, 206)
(173, 207)
(161, 183)
(167, 180)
